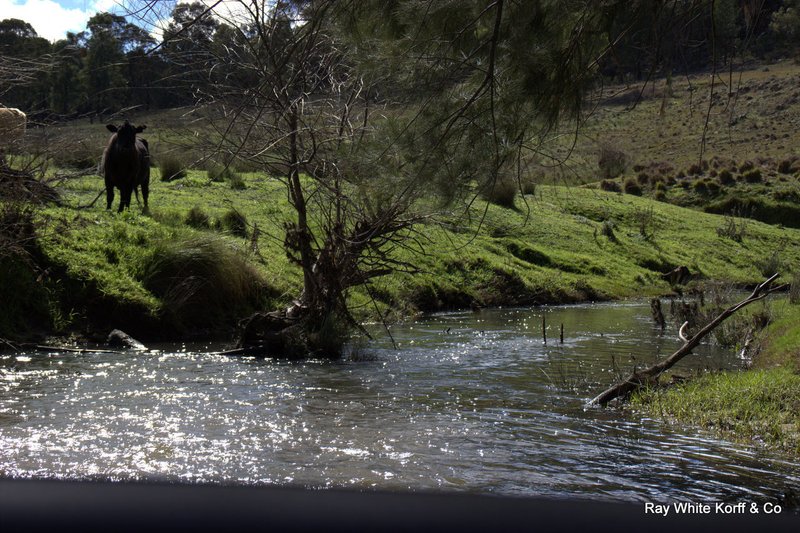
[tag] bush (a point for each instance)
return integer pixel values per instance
(789, 166)
(787, 195)
(700, 187)
(612, 162)
(794, 289)
(695, 170)
(726, 177)
(197, 218)
(632, 187)
(202, 282)
(501, 192)
(234, 222)
(26, 306)
(713, 187)
(237, 182)
(610, 185)
(607, 229)
(171, 167)
(528, 185)
(744, 167)
(772, 264)
(219, 173)
(752, 176)
(643, 178)
(733, 230)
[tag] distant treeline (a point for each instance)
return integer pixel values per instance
(115, 64)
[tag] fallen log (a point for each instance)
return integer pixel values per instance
(638, 379)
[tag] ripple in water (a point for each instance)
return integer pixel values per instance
(469, 402)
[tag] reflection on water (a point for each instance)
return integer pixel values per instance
(469, 402)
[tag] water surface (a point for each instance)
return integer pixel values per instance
(468, 402)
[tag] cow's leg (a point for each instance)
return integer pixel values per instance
(109, 194)
(146, 188)
(125, 197)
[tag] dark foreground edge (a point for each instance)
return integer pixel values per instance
(27, 505)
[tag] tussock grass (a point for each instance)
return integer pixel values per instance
(202, 282)
(171, 167)
(235, 222)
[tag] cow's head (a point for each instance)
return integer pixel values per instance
(126, 134)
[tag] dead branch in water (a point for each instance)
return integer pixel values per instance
(638, 379)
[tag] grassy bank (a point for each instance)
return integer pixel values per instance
(561, 244)
(757, 405)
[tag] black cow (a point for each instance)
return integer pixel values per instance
(126, 164)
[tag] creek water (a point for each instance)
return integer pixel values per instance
(468, 402)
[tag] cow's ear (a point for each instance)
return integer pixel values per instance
(140, 129)
(112, 128)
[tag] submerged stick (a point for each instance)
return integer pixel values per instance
(638, 379)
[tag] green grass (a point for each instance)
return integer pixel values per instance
(759, 405)
(754, 406)
(549, 249)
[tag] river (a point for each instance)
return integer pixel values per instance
(468, 402)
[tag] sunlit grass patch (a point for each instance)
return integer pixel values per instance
(753, 406)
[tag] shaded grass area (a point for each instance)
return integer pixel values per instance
(758, 405)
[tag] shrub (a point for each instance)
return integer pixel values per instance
(744, 167)
(643, 178)
(752, 176)
(700, 187)
(632, 187)
(610, 185)
(202, 282)
(713, 187)
(725, 177)
(24, 296)
(171, 167)
(733, 230)
(794, 289)
(234, 222)
(695, 170)
(612, 162)
(607, 229)
(219, 173)
(645, 221)
(237, 182)
(660, 195)
(772, 264)
(197, 218)
(528, 185)
(500, 192)
(787, 166)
